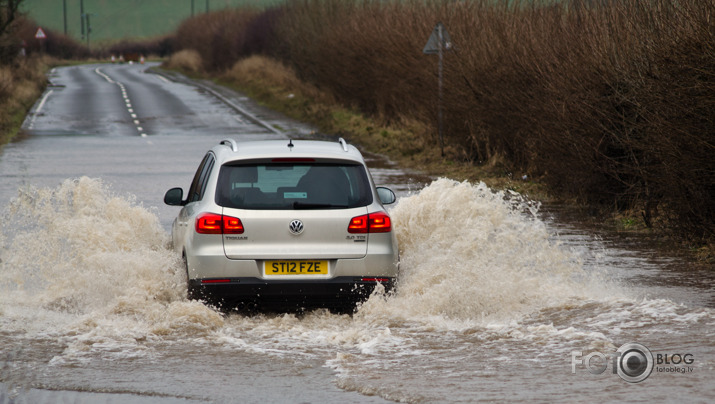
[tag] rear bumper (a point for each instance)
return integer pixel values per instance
(342, 292)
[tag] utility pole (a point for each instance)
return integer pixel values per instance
(64, 13)
(89, 29)
(81, 14)
(192, 8)
(207, 6)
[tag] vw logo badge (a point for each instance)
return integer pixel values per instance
(296, 227)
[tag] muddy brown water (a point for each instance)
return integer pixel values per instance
(499, 299)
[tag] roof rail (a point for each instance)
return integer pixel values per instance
(344, 143)
(230, 142)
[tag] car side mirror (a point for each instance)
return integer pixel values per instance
(386, 195)
(174, 197)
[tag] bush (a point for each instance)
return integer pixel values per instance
(21, 83)
(219, 37)
(187, 60)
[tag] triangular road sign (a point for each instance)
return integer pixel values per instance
(40, 34)
(432, 45)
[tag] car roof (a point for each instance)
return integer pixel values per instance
(230, 150)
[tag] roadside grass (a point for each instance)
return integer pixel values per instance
(408, 142)
(186, 61)
(21, 84)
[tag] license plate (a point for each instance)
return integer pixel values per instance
(303, 267)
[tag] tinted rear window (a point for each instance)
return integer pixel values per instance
(293, 186)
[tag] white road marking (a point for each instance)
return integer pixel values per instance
(38, 109)
(109, 79)
(124, 95)
(42, 102)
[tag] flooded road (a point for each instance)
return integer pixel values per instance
(497, 301)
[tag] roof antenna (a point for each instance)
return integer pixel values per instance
(290, 143)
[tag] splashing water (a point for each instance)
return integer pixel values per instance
(481, 277)
(469, 253)
(77, 260)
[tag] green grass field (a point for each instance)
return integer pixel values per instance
(117, 19)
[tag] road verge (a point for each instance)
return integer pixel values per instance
(21, 84)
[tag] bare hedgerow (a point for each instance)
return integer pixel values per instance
(219, 37)
(609, 102)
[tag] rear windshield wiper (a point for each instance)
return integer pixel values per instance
(303, 205)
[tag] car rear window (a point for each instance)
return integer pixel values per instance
(293, 186)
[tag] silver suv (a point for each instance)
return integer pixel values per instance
(287, 225)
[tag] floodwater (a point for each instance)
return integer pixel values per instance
(498, 299)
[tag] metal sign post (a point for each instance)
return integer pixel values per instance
(438, 43)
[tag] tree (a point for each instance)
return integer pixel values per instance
(9, 9)
(9, 47)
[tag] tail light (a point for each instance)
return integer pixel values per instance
(212, 223)
(205, 281)
(378, 222)
(232, 225)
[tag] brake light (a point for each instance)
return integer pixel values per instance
(208, 223)
(292, 160)
(358, 224)
(378, 222)
(212, 223)
(232, 225)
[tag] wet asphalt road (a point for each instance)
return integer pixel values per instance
(140, 132)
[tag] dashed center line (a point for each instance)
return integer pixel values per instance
(127, 102)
